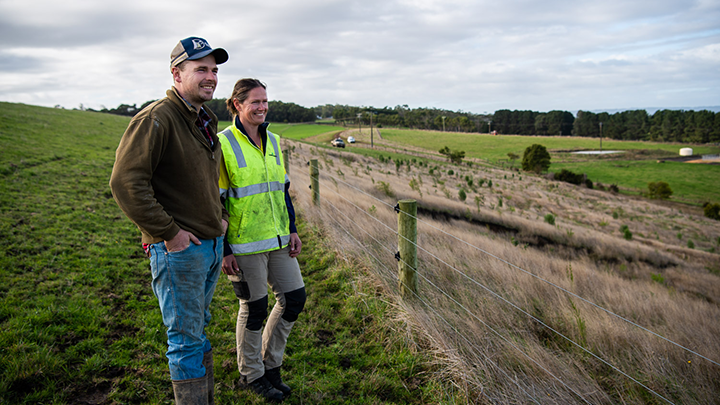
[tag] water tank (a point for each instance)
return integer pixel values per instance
(686, 152)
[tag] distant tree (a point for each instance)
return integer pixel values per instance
(559, 122)
(659, 190)
(123, 109)
(219, 108)
(513, 157)
(455, 156)
(637, 123)
(289, 112)
(502, 121)
(541, 126)
(586, 124)
(484, 127)
(325, 111)
(536, 159)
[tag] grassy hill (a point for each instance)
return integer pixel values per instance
(532, 290)
(79, 323)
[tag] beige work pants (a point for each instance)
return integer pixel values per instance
(258, 350)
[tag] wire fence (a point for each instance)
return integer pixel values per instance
(359, 218)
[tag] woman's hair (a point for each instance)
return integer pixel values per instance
(242, 89)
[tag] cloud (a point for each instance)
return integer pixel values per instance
(469, 55)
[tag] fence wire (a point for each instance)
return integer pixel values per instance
(440, 316)
(493, 293)
(514, 266)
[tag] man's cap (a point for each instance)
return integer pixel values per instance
(193, 48)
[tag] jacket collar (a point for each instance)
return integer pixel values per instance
(262, 130)
(189, 112)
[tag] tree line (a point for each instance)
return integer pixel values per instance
(637, 125)
(278, 111)
(662, 126)
(402, 116)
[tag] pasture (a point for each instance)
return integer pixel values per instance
(691, 183)
(494, 147)
(529, 289)
(79, 323)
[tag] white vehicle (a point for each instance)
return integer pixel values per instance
(351, 139)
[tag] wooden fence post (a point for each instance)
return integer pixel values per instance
(315, 181)
(286, 160)
(407, 243)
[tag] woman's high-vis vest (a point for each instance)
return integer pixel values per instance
(255, 196)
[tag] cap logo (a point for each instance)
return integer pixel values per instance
(199, 44)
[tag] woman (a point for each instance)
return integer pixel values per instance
(261, 241)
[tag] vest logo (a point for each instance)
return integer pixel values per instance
(199, 44)
(272, 154)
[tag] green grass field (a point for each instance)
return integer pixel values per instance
(693, 183)
(492, 147)
(78, 319)
(294, 131)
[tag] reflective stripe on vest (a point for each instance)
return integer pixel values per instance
(235, 147)
(240, 192)
(259, 246)
(277, 150)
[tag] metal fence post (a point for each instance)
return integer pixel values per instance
(407, 243)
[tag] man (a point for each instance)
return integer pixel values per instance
(165, 180)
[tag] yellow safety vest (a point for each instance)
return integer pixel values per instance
(255, 195)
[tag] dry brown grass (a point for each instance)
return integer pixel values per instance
(488, 336)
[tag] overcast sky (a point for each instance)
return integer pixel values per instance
(476, 56)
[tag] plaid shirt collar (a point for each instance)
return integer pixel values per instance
(202, 122)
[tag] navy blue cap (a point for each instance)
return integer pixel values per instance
(193, 48)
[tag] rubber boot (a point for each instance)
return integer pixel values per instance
(210, 375)
(273, 376)
(191, 392)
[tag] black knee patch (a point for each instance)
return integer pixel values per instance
(257, 312)
(294, 304)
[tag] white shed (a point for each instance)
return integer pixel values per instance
(686, 152)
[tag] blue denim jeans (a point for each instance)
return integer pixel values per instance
(184, 283)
